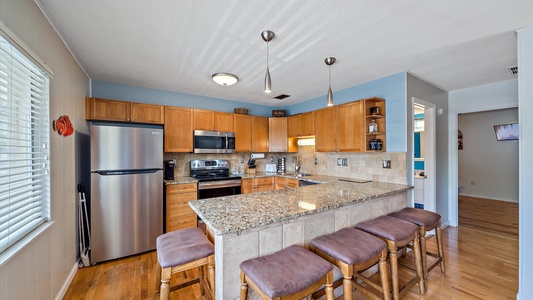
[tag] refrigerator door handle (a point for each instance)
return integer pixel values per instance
(126, 172)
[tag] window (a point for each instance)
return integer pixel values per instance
(24, 145)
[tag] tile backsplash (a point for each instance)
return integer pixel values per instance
(360, 165)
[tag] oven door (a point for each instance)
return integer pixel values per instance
(219, 188)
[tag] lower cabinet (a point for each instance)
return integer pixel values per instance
(254, 185)
(179, 214)
(285, 183)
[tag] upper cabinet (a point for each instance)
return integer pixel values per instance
(375, 109)
(293, 126)
(212, 120)
(178, 135)
(243, 132)
(301, 125)
(326, 129)
(277, 136)
(259, 134)
(122, 111)
(350, 124)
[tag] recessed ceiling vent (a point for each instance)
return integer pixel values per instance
(512, 71)
(282, 96)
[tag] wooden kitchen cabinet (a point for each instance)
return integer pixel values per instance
(293, 126)
(259, 134)
(307, 124)
(243, 132)
(285, 183)
(350, 127)
(123, 111)
(326, 129)
(203, 119)
(212, 120)
(278, 140)
(254, 185)
(179, 215)
(178, 130)
(380, 120)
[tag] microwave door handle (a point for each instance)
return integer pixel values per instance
(226, 143)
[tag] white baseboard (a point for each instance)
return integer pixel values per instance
(65, 286)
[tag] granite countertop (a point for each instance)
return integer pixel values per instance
(180, 180)
(233, 214)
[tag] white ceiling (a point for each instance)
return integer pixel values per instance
(177, 45)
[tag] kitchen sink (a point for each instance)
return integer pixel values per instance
(355, 180)
(304, 174)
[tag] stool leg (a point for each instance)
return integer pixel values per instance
(201, 276)
(393, 256)
(422, 238)
(329, 286)
(418, 263)
(384, 273)
(211, 272)
(347, 273)
(165, 287)
(244, 287)
(158, 278)
(440, 246)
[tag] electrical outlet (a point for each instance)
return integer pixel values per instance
(316, 161)
(344, 162)
(242, 159)
(386, 164)
(271, 159)
(472, 182)
(339, 161)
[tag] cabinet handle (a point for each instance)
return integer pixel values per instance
(182, 202)
(182, 222)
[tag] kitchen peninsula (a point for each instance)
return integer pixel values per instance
(258, 224)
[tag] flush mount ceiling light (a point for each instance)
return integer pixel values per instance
(267, 36)
(329, 61)
(225, 79)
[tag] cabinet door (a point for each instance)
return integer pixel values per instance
(350, 127)
(147, 113)
(307, 124)
(178, 129)
(223, 121)
(109, 110)
(264, 184)
(259, 134)
(203, 119)
(179, 214)
(292, 183)
(293, 126)
(247, 186)
(243, 132)
(277, 134)
(325, 130)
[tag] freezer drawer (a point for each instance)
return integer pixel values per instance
(126, 214)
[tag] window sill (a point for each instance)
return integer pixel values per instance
(17, 247)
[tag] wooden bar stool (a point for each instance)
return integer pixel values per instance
(182, 250)
(291, 273)
(354, 251)
(397, 234)
(426, 221)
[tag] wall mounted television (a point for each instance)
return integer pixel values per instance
(506, 132)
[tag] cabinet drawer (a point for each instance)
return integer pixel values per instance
(181, 188)
(181, 223)
(264, 181)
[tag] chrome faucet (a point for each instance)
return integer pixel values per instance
(297, 166)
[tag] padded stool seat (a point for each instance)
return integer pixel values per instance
(397, 234)
(354, 251)
(291, 273)
(426, 221)
(182, 250)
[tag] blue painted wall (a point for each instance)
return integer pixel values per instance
(391, 88)
(107, 90)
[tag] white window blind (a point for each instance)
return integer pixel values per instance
(24, 146)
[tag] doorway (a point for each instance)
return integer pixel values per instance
(424, 154)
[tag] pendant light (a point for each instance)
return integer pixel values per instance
(267, 36)
(329, 61)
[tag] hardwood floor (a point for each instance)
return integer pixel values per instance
(493, 216)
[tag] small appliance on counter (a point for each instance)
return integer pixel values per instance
(280, 167)
(270, 168)
(170, 166)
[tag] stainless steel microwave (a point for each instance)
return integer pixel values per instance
(214, 141)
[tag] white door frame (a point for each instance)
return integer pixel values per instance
(430, 121)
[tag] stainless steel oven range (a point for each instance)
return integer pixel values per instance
(214, 178)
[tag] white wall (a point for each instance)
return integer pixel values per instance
(525, 111)
(40, 269)
(488, 168)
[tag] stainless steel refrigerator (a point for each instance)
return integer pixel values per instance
(126, 205)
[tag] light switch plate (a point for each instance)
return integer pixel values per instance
(386, 164)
